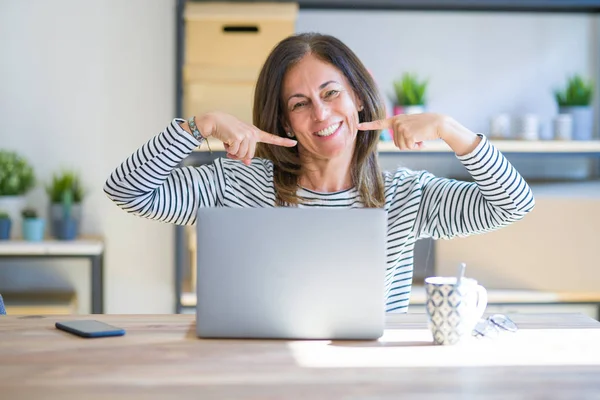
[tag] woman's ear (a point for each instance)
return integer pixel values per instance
(288, 130)
(286, 126)
(359, 104)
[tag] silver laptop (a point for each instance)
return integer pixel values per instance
(290, 273)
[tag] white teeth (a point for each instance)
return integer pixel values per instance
(329, 130)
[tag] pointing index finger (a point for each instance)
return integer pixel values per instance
(274, 139)
(378, 124)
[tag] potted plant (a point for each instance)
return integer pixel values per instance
(33, 226)
(576, 99)
(5, 225)
(66, 194)
(16, 179)
(410, 94)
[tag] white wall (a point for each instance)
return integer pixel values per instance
(83, 84)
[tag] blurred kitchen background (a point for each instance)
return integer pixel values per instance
(83, 84)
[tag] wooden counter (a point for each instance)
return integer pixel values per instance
(551, 356)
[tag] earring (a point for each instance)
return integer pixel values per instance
(361, 108)
(290, 134)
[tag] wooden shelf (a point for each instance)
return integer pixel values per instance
(510, 146)
(40, 303)
(188, 299)
(505, 146)
(41, 309)
(52, 247)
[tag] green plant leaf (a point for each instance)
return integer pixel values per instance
(577, 92)
(29, 213)
(410, 91)
(62, 182)
(16, 174)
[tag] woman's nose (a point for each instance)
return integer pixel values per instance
(321, 111)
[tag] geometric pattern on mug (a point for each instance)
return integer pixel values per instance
(446, 305)
(454, 298)
(437, 298)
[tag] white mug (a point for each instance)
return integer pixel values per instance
(453, 310)
(500, 126)
(528, 127)
(563, 127)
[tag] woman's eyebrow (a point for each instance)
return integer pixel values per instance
(321, 87)
(327, 83)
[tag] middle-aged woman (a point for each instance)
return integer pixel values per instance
(316, 123)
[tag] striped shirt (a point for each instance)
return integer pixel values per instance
(151, 183)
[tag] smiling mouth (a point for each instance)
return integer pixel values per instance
(330, 130)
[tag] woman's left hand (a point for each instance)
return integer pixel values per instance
(411, 130)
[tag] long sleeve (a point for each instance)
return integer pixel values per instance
(497, 197)
(150, 184)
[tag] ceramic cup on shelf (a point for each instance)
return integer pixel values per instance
(527, 127)
(563, 127)
(582, 121)
(500, 126)
(545, 132)
(453, 310)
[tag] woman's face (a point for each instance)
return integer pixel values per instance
(321, 108)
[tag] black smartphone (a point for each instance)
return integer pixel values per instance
(88, 328)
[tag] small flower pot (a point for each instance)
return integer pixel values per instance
(5, 229)
(65, 229)
(408, 109)
(59, 228)
(12, 205)
(33, 229)
(583, 121)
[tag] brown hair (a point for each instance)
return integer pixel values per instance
(269, 115)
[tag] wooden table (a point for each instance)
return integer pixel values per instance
(91, 249)
(551, 356)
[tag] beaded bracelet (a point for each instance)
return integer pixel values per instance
(196, 133)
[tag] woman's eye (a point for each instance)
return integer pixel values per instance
(331, 93)
(298, 105)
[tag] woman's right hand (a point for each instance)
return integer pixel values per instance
(238, 137)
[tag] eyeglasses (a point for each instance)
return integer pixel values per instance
(493, 325)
